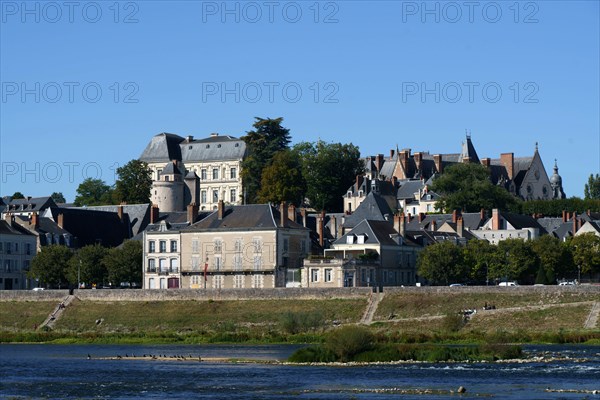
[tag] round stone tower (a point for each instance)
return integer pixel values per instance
(168, 190)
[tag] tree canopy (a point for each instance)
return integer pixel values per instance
(124, 264)
(442, 264)
(93, 192)
(267, 138)
(134, 183)
(467, 187)
(49, 266)
(592, 188)
(87, 265)
(17, 195)
(329, 169)
(58, 197)
(283, 180)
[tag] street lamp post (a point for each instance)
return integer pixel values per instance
(79, 275)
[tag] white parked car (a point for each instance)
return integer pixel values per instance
(566, 283)
(508, 284)
(37, 289)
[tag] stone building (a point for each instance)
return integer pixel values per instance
(200, 171)
(17, 249)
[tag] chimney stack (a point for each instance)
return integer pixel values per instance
(292, 212)
(482, 214)
(220, 210)
(60, 220)
(437, 160)
(404, 156)
(460, 227)
(333, 227)
(283, 217)
(321, 227)
(508, 160)
(9, 218)
(379, 162)
(35, 220)
(433, 226)
(495, 219)
(418, 157)
(564, 216)
(574, 229)
(153, 214)
(409, 217)
(421, 217)
(120, 211)
(392, 154)
(486, 162)
(192, 213)
(303, 214)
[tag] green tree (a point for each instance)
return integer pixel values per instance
(134, 183)
(125, 263)
(87, 265)
(50, 265)
(348, 341)
(554, 260)
(329, 169)
(58, 197)
(267, 138)
(555, 207)
(518, 261)
(283, 180)
(442, 263)
(479, 257)
(586, 252)
(467, 187)
(592, 187)
(93, 192)
(17, 195)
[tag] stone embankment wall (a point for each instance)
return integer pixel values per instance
(273, 294)
(188, 294)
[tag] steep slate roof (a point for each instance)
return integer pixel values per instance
(170, 169)
(373, 207)
(34, 204)
(163, 147)
(550, 224)
(468, 151)
(213, 148)
(408, 189)
(244, 217)
(10, 229)
(377, 232)
(519, 221)
(139, 214)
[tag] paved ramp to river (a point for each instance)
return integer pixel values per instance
(57, 313)
(592, 320)
(374, 300)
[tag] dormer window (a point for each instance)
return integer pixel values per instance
(350, 239)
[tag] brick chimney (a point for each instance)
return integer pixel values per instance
(303, 214)
(433, 226)
(409, 217)
(60, 220)
(421, 217)
(495, 219)
(399, 224)
(418, 157)
(482, 214)
(35, 220)
(333, 227)
(220, 210)
(454, 216)
(392, 152)
(486, 162)
(404, 156)
(153, 214)
(437, 160)
(120, 211)
(292, 212)
(378, 162)
(574, 220)
(508, 160)
(192, 213)
(283, 214)
(460, 227)
(321, 227)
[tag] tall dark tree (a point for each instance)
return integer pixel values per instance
(267, 138)
(586, 252)
(125, 263)
(592, 187)
(467, 186)
(480, 257)
(554, 259)
(283, 180)
(50, 265)
(93, 192)
(134, 183)
(87, 265)
(442, 263)
(17, 195)
(329, 169)
(58, 197)
(518, 261)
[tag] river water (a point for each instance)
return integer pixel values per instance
(65, 372)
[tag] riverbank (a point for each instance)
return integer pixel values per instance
(398, 315)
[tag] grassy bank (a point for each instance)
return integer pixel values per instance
(401, 318)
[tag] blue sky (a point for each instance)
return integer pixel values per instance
(85, 85)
